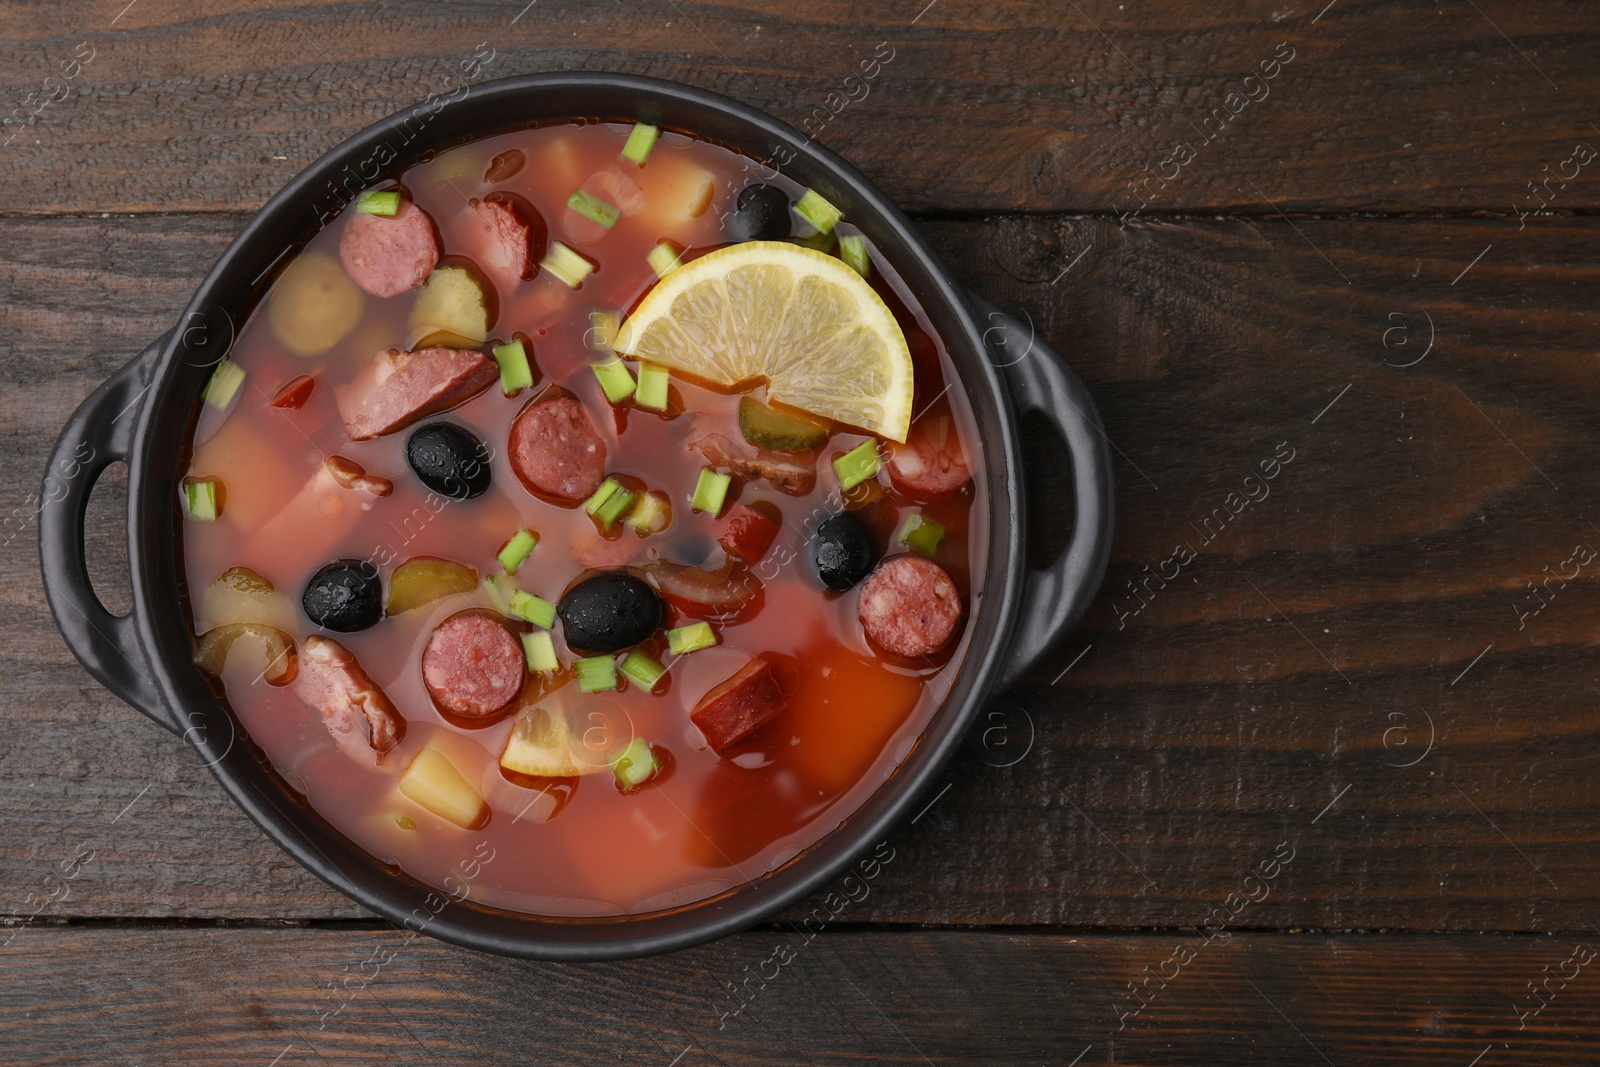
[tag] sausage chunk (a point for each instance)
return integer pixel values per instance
(473, 666)
(359, 715)
(556, 450)
(738, 707)
(388, 255)
(509, 235)
(930, 465)
(910, 606)
(400, 387)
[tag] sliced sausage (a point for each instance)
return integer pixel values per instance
(473, 666)
(736, 708)
(508, 235)
(930, 465)
(400, 387)
(388, 255)
(359, 715)
(796, 474)
(556, 450)
(910, 605)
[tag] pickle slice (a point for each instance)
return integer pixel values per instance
(424, 579)
(778, 431)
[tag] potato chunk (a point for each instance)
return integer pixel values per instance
(314, 305)
(433, 781)
(453, 302)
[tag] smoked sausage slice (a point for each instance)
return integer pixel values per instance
(473, 665)
(400, 387)
(910, 606)
(734, 709)
(930, 465)
(389, 255)
(556, 450)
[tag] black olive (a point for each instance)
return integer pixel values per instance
(449, 460)
(344, 596)
(609, 612)
(841, 550)
(760, 213)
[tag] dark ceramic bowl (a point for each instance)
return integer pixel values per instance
(143, 413)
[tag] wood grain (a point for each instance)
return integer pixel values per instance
(1298, 660)
(293, 997)
(1385, 106)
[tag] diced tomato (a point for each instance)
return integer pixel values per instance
(748, 532)
(295, 392)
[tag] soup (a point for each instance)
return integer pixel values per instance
(584, 522)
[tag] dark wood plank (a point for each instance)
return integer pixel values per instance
(1193, 738)
(1382, 106)
(333, 997)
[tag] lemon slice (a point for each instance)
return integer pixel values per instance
(802, 320)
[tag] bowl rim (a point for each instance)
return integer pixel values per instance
(742, 905)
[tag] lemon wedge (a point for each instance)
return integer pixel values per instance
(804, 321)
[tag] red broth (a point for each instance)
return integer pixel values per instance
(575, 846)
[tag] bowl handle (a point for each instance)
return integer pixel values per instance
(1054, 597)
(99, 434)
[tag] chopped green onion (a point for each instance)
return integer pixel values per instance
(535, 609)
(595, 673)
(815, 209)
(200, 499)
(614, 379)
(634, 765)
(652, 391)
(857, 465)
(601, 495)
(663, 259)
(711, 491)
(642, 669)
(515, 372)
(853, 250)
(522, 542)
(691, 638)
(594, 209)
(603, 327)
(651, 515)
(376, 203)
(640, 140)
(540, 651)
(224, 383)
(609, 502)
(566, 264)
(921, 534)
(612, 509)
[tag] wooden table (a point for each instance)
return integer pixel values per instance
(1326, 793)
